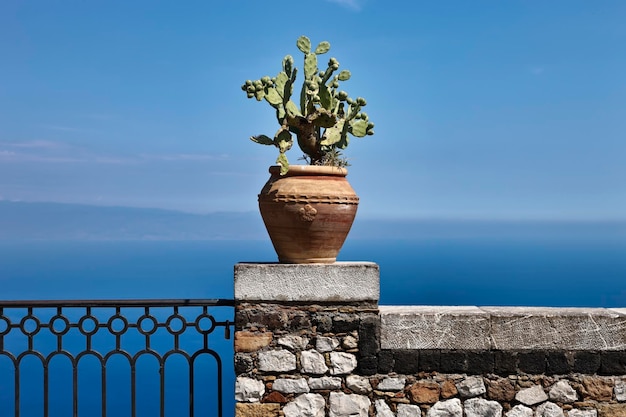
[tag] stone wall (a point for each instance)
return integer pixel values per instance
(304, 349)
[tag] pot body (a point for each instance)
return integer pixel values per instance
(308, 212)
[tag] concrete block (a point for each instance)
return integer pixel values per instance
(542, 328)
(341, 282)
(434, 327)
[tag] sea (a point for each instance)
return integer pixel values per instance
(560, 269)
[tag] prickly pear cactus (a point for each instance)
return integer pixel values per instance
(325, 115)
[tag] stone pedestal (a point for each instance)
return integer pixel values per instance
(304, 332)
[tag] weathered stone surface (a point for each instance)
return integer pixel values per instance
(425, 327)
(313, 362)
(275, 397)
(611, 410)
(294, 342)
(549, 410)
(306, 405)
(350, 342)
(277, 361)
(325, 382)
(409, 410)
(251, 342)
(339, 282)
(620, 391)
(326, 344)
(382, 409)
(256, 410)
(358, 384)
(472, 386)
(348, 405)
(424, 392)
(249, 389)
(448, 408)
(391, 384)
(531, 396)
(596, 389)
(524, 328)
(500, 390)
(291, 386)
(563, 392)
(342, 363)
(520, 411)
(478, 407)
(582, 413)
(448, 389)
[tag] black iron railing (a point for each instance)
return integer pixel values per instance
(113, 357)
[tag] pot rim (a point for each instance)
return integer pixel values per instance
(299, 170)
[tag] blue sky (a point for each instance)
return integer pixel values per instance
(483, 109)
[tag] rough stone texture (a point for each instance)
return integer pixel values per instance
(448, 389)
(409, 410)
(563, 392)
(325, 382)
(391, 384)
(306, 405)
(611, 410)
(348, 405)
(425, 392)
(507, 328)
(291, 386)
(294, 342)
(326, 344)
(359, 384)
(517, 328)
(479, 407)
(256, 410)
(382, 409)
(448, 408)
(277, 361)
(275, 397)
(620, 391)
(313, 362)
(500, 390)
(472, 386)
(531, 396)
(596, 389)
(582, 413)
(549, 410)
(343, 282)
(434, 328)
(350, 342)
(249, 389)
(342, 363)
(251, 342)
(520, 411)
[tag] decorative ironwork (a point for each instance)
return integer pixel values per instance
(111, 354)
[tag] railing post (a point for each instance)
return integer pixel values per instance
(303, 332)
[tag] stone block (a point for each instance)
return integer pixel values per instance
(406, 361)
(526, 328)
(613, 363)
(611, 410)
(341, 282)
(256, 410)
(586, 362)
(434, 327)
(532, 362)
(557, 362)
(352, 405)
(429, 360)
(425, 392)
(251, 342)
(311, 405)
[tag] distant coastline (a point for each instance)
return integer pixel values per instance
(56, 221)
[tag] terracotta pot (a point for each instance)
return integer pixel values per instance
(308, 212)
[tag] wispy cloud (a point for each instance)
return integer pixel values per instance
(348, 4)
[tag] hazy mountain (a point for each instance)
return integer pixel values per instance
(71, 221)
(52, 221)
